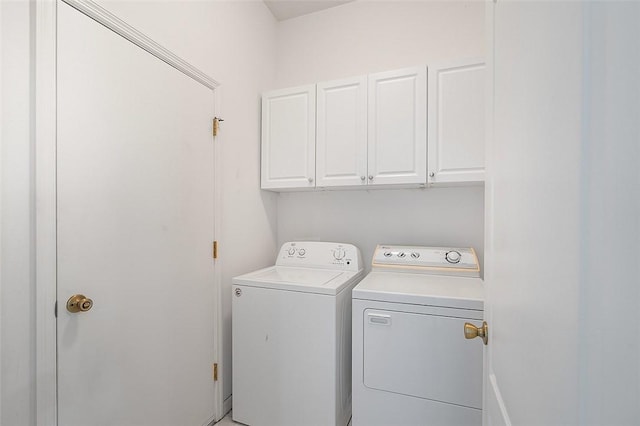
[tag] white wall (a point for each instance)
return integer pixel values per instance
(440, 216)
(1, 175)
(370, 36)
(17, 290)
(232, 41)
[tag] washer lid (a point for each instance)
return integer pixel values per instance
(307, 280)
(421, 289)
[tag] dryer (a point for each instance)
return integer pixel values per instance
(411, 362)
(292, 337)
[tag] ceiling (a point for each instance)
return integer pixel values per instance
(285, 9)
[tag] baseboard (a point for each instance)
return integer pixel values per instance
(211, 421)
(226, 405)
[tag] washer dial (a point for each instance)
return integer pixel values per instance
(338, 253)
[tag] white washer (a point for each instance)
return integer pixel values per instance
(411, 362)
(292, 337)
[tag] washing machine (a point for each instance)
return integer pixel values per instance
(292, 337)
(411, 362)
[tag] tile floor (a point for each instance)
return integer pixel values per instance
(226, 421)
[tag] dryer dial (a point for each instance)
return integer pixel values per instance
(453, 256)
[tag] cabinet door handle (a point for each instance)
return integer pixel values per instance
(370, 177)
(362, 178)
(310, 179)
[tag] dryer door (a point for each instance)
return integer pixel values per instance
(421, 355)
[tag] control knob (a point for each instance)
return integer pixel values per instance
(338, 253)
(453, 256)
(291, 251)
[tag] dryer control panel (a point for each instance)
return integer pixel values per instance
(428, 260)
(316, 254)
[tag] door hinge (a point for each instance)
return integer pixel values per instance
(215, 372)
(216, 125)
(215, 249)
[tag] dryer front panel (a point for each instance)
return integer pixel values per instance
(422, 355)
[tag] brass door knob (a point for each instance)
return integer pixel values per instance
(79, 303)
(471, 331)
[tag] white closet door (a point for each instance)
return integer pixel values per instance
(398, 127)
(289, 138)
(135, 212)
(341, 152)
(456, 121)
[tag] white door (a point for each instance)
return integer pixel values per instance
(397, 125)
(456, 117)
(341, 134)
(289, 138)
(135, 213)
(562, 214)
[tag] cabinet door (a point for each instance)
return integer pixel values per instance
(456, 121)
(341, 150)
(397, 127)
(288, 138)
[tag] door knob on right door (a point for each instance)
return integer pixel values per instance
(471, 331)
(79, 303)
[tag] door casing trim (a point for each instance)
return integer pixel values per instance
(44, 165)
(115, 24)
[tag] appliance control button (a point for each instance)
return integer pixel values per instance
(301, 252)
(415, 255)
(291, 251)
(453, 256)
(402, 254)
(338, 253)
(388, 254)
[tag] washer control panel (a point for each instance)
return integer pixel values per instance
(429, 260)
(315, 254)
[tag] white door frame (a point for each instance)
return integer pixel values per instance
(45, 190)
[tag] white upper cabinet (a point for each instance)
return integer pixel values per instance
(371, 131)
(288, 138)
(341, 135)
(397, 127)
(456, 122)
